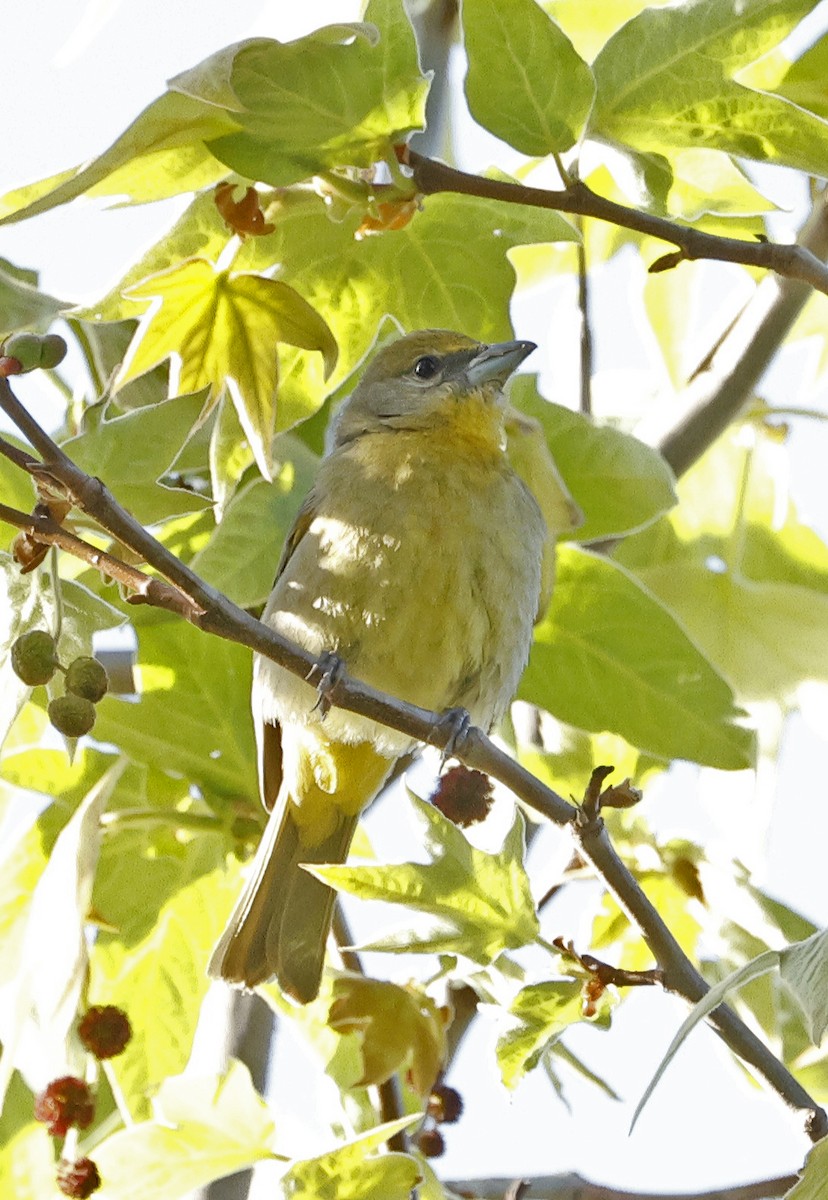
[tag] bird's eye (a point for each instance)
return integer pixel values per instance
(426, 367)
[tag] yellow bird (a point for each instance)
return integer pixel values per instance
(416, 558)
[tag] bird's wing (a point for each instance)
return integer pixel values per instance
(301, 524)
(269, 735)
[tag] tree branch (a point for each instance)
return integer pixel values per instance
(212, 612)
(793, 261)
(573, 1187)
(723, 384)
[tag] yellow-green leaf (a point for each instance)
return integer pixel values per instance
(223, 329)
(479, 904)
(398, 1027)
(544, 89)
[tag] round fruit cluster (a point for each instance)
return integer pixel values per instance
(35, 661)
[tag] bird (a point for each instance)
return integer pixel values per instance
(415, 559)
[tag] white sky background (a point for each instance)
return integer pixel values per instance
(74, 75)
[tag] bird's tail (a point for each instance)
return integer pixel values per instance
(280, 924)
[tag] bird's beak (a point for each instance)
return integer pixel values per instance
(494, 364)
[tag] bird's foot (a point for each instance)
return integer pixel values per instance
(451, 731)
(330, 669)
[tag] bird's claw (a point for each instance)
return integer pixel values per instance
(332, 670)
(455, 724)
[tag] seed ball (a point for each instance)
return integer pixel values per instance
(33, 657)
(87, 677)
(72, 715)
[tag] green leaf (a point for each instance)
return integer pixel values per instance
(351, 1172)
(16, 486)
(480, 903)
(168, 911)
(804, 967)
(607, 655)
(590, 22)
(193, 711)
(537, 1017)
(398, 1028)
(747, 579)
(162, 153)
(27, 1164)
(708, 181)
(22, 306)
(712, 999)
(132, 452)
(340, 96)
(612, 927)
(666, 80)
(241, 557)
(224, 328)
(618, 483)
(104, 344)
(811, 1184)
(204, 1129)
(199, 233)
(804, 81)
(51, 972)
(544, 89)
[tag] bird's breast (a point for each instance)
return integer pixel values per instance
(422, 571)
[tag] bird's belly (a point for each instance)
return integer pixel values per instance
(429, 597)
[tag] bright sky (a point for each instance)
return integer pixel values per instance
(74, 75)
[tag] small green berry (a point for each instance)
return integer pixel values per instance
(33, 350)
(87, 677)
(72, 715)
(52, 351)
(33, 657)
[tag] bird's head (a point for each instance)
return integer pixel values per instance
(428, 381)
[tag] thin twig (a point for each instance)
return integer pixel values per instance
(214, 613)
(793, 261)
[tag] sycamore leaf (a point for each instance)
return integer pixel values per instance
(754, 969)
(804, 80)
(343, 95)
(666, 78)
(162, 153)
(40, 1000)
(22, 306)
(223, 330)
(618, 482)
(203, 1130)
(544, 89)
(804, 967)
(589, 23)
(608, 655)
(480, 904)
(812, 1182)
(399, 1028)
(746, 577)
(529, 454)
(353, 1172)
(193, 714)
(536, 1019)
(133, 451)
